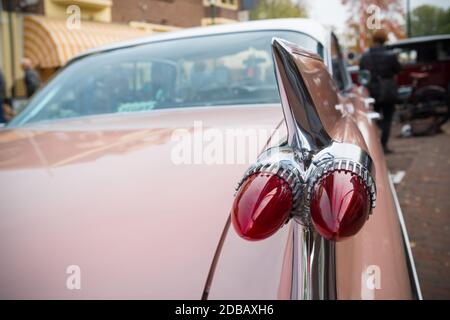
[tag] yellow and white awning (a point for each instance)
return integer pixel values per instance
(49, 43)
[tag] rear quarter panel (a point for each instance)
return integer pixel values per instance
(372, 264)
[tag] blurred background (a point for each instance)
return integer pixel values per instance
(48, 33)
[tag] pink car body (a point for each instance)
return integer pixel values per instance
(102, 193)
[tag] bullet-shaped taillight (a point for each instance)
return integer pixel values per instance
(335, 194)
(261, 206)
(340, 204)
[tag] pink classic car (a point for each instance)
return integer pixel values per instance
(116, 182)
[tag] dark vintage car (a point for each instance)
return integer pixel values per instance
(423, 83)
(430, 55)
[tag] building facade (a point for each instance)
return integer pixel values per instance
(176, 13)
(50, 32)
(37, 29)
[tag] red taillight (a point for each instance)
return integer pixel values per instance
(262, 205)
(340, 205)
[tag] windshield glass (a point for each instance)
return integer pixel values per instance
(224, 69)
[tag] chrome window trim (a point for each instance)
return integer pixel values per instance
(306, 26)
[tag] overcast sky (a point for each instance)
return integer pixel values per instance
(332, 12)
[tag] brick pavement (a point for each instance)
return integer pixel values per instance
(424, 195)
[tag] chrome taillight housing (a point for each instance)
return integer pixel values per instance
(323, 184)
(334, 194)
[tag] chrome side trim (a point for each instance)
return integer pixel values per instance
(295, 262)
(411, 263)
(305, 275)
(325, 262)
(374, 115)
(368, 102)
(317, 268)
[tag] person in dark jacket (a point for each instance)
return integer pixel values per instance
(383, 66)
(32, 79)
(2, 96)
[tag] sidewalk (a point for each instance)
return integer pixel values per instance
(424, 195)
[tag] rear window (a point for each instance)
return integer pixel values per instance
(225, 69)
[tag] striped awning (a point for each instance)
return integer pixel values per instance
(49, 43)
